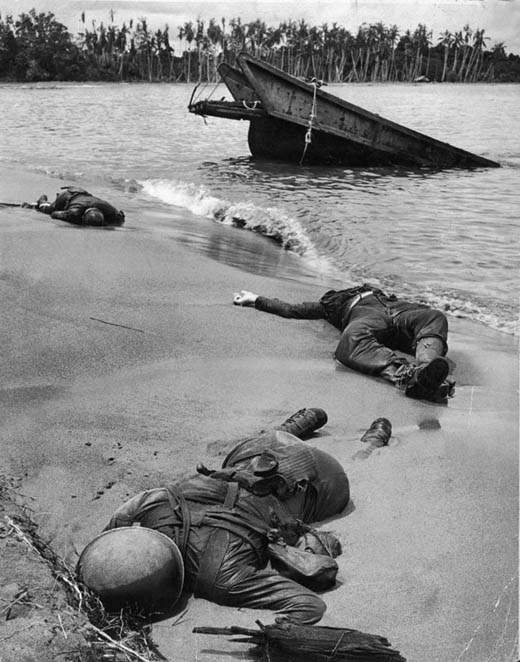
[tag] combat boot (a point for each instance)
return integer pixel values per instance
(304, 422)
(445, 390)
(377, 435)
(424, 381)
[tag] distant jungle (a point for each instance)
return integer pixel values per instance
(36, 47)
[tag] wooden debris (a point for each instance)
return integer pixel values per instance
(288, 642)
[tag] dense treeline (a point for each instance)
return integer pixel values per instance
(37, 47)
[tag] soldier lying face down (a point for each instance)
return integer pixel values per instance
(221, 528)
(375, 329)
(79, 207)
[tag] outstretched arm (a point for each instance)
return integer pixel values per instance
(46, 207)
(240, 583)
(305, 310)
(244, 298)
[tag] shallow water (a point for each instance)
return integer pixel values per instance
(446, 237)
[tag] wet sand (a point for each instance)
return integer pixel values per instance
(125, 364)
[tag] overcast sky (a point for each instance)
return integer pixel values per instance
(499, 18)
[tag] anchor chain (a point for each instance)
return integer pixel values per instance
(308, 135)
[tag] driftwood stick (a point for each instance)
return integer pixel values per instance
(61, 626)
(209, 630)
(22, 595)
(117, 644)
(19, 532)
(234, 629)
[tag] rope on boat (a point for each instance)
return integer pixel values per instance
(214, 88)
(308, 136)
(194, 99)
(253, 107)
(202, 89)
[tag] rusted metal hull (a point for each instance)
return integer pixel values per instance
(295, 121)
(271, 138)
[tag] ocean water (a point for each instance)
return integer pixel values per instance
(449, 238)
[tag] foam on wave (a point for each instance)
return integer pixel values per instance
(499, 316)
(268, 221)
(274, 223)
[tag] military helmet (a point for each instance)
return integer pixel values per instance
(133, 565)
(93, 216)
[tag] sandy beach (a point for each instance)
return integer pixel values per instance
(124, 364)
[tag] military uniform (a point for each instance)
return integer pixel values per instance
(221, 522)
(373, 326)
(72, 202)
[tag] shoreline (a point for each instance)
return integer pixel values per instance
(96, 412)
(259, 248)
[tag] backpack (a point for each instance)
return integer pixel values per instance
(336, 302)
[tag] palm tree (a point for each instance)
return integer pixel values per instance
(188, 33)
(466, 48)
(214, 47)
(366, 38)
(145, 43)
(446, 41)
(497, 55)
(272, 43)
(475, 64)
(169, 50)
(255, 35)
(120, 44)
(237, 36)
(330, 43)
(421, 38)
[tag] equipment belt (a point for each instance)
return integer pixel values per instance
(231, 495)
(176, 498)
(358, 298)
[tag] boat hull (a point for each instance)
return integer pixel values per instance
(296, 121)
(354, 135)
(278, 140)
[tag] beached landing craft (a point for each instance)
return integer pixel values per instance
(297, 121)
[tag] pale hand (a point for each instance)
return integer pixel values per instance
(244, 298)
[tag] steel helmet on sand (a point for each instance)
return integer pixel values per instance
(93, 216)
(133, 565)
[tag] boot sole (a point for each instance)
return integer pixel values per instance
(296, 428)
(432, 375)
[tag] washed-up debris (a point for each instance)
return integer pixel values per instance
(288, 642)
